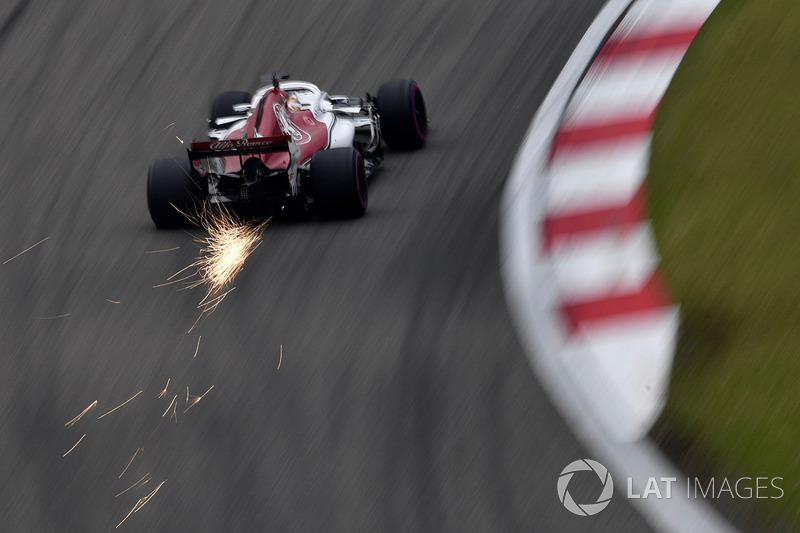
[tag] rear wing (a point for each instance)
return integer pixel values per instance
(258, 145)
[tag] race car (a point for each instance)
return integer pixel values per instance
(290, 145)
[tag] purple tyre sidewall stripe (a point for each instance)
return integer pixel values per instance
(362, 195)
(415, 90)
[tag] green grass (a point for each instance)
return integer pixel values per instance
(724, 194)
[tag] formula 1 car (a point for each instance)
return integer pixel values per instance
(288, 145)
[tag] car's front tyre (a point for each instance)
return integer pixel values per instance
(404, 118)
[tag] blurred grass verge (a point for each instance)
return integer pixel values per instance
(724, 195)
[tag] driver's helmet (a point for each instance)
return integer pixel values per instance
(293, 103)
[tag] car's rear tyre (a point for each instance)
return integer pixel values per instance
(173, 192)
(222, 106)
(339, 182)
(404, 119)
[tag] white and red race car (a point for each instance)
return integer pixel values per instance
(288, 145)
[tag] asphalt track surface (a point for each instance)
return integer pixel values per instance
(403, 400)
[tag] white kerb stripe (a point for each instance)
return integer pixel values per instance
(604, 175)
(609, 261)
(630, 87)
(626, 366)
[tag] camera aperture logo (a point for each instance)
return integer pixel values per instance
(585, 509)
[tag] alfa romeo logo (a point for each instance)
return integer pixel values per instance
(585, 509)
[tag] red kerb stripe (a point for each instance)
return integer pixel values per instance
(623, 217)
(578, 136)
(646, 43)
(652, 295)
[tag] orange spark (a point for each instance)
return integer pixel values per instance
(52, 317)
(164, 392)
(229, 242)
(171, 281)
(74, 446)
(195, 399)
(164, 250)
(141, 503)
(141, 482)
(120, 405)
(75, 420)
(169, 406)
(197, 349)
(130, 462)
(28, 249)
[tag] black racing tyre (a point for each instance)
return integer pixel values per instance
(222, 106)
(339, 182)
(173, 192)
(404, 120)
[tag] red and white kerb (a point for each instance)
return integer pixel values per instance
(615, 313)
